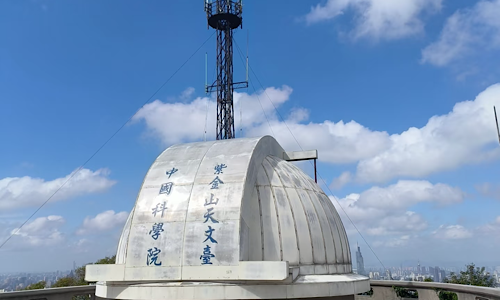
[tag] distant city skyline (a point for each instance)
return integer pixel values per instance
(9, 281)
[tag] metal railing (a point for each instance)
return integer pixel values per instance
(228, 7)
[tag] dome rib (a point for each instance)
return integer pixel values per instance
(286, 221)
(343, 237)
(336, 235)
(275, 205)
(317, 242)
(325, 228)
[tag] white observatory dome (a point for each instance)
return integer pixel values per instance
(231, 213)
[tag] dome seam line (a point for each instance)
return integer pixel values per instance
(277, 213)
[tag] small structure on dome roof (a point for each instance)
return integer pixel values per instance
(230, 219)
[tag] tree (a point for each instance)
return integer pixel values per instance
(36, 286)
(65, 281)
(80, 275)
(428, 279)
(106, 261)
(472, 276)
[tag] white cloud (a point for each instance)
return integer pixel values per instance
(104, 221)
(298, 115)
(406, 193)
(337, 142)
(340, 181)
(481, 241)
(386, 210)
(378, 19)
(466, 32)
(452, 232)
(164, 119)
(395, 242)
(407, 222)
(18, 192)
(491, 229)
(176, 122)
(50, 238)
(444, 143)
(489, 190)
(187, 93)
(43, 231)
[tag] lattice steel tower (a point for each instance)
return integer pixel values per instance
(224, 16)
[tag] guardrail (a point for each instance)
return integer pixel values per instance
(383, 290)
(64, 293)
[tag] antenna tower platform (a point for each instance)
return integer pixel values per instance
(224, 16)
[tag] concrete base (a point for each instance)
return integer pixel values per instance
(308, 286)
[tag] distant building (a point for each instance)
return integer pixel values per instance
(437, 274)
(388, 274)
(443, 275)
(374, 275)
(360, 263)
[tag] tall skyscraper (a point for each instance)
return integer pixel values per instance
(360, 263)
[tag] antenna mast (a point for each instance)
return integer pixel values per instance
(224, 16)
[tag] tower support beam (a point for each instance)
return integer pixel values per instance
(224, 16)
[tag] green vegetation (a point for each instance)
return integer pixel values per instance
(405, 293)
(36, 286)
(67, 281)
(472, 276)
(369, 293)
(446, 295)
(106, 261)
(428, 279)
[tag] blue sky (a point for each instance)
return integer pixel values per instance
(373, 87)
